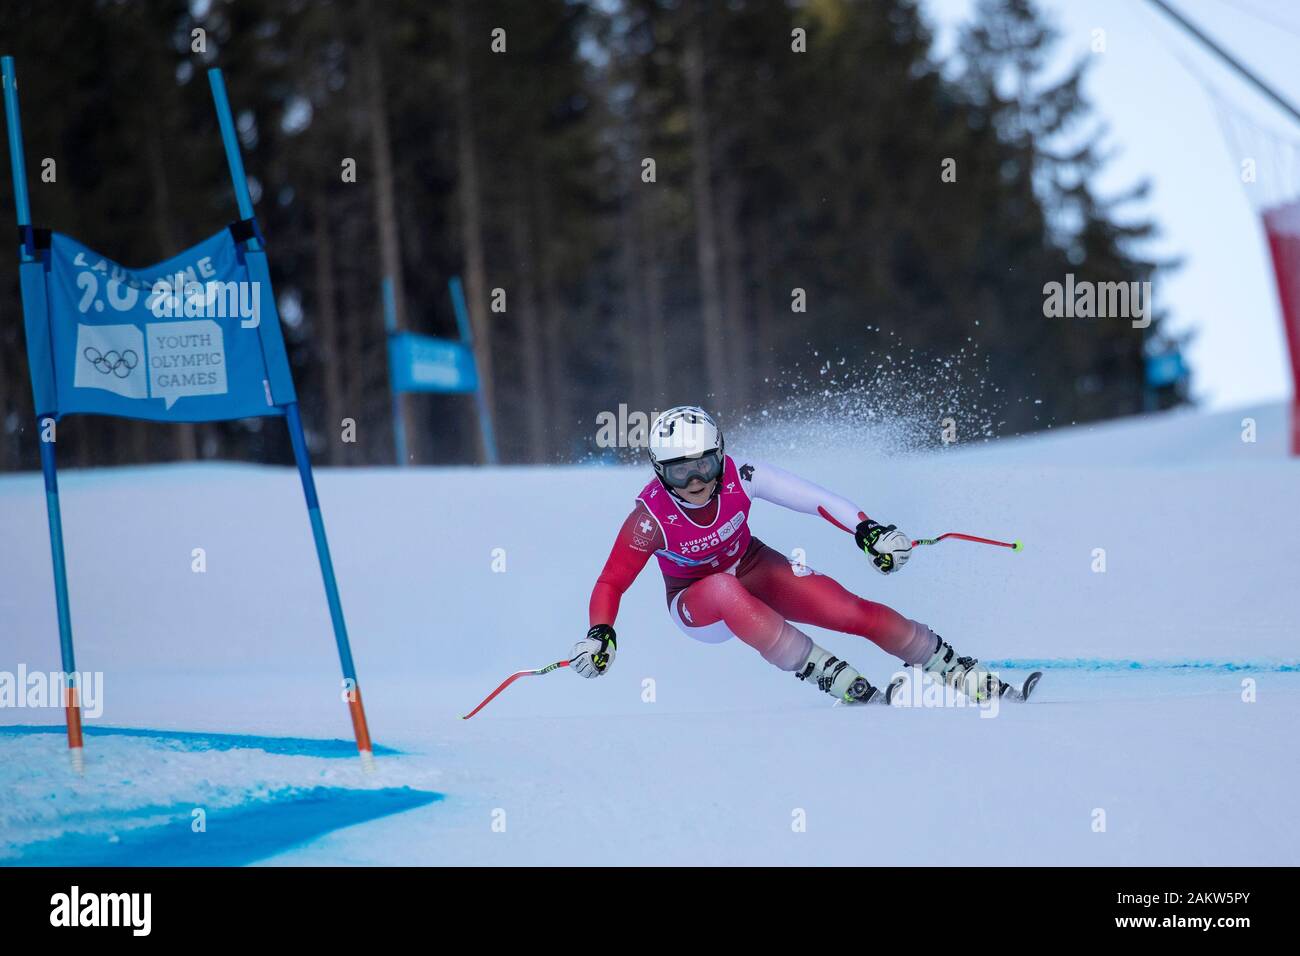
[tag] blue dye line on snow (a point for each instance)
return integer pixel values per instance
(233, 837)
(192, 740)
(1109, 664)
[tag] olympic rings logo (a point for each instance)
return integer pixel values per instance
(112, 362)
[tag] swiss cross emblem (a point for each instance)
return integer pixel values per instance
(646, 526)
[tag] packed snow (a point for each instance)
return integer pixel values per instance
(1160, 733)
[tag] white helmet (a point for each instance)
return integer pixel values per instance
(685, 443)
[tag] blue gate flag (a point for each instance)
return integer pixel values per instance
(420, 363)
(193, 339)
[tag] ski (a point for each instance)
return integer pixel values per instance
(894, 685)
(1021, 694)
(1006, 691)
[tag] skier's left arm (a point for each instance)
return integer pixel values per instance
(886, 546)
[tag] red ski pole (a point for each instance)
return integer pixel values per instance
(510, 680)
(1013, 545)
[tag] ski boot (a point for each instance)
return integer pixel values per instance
(972, 678)
(838, 679)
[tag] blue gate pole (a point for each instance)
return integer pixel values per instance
(17, 162)
(71, 704)
(231, 142)
(480, 399)
(399, 421)
(352, 687)
(49, 468)
(301, 455)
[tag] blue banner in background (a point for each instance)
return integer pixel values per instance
(1165, 369)
(180, 341)
(420, 363)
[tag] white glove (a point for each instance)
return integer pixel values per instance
(886, 546)
(593, 655)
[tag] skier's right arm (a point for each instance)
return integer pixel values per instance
(639, 538)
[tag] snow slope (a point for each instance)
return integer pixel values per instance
(684, 753)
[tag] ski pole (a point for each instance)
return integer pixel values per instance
(1013, 545)
(510, 680)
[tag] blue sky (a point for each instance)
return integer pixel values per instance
(1163, 125)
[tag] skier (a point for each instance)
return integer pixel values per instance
(722, 582)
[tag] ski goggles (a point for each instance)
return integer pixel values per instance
(680, 473)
